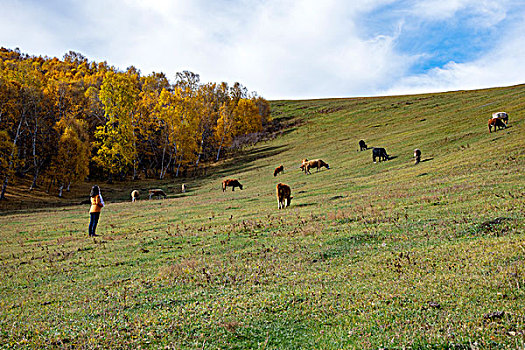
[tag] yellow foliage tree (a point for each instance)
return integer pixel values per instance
(225, 126)
(72, 160)
(180, 113)
(117, 146)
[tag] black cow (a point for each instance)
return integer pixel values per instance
(362, 146)
(379, 152)
(417, 155)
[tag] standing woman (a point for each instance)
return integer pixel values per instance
(97, 203)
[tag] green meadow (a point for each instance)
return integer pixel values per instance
(369, 255)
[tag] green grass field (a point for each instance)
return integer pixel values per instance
(387, 255)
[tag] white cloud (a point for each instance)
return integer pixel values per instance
(485, 12)
(281, 49)
(501, 66)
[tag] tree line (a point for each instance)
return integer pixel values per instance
(65, 120)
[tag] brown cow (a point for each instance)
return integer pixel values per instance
(496, 123)
(231, 182)
(157, 192)
(303, 165)
(283, 196)
(279, 169)
(317, 163)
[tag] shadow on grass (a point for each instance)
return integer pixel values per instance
(303, 205)
(244, 161)
(426, 160)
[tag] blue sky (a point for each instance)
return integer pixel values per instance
(287, 49)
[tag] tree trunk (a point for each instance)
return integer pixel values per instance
(202, 150)
(35, 177)
(10, 166)
(4, 186)
(134, 169)
(35, 162)
(219, 151)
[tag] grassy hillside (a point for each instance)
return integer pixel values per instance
(385, 255)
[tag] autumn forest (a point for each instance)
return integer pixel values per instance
(62, 121)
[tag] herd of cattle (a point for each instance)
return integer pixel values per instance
(499, 120)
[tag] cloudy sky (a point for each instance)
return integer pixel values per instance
(287, 49)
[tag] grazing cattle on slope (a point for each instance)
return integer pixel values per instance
(379, 152)
(501, 115)
(417, 155)
(278, 170)
(134, 195)
(496, 123)
(157, 192)
(183, 188)
(232, 183)
(362, 146)
(317, 163)
(283, 196)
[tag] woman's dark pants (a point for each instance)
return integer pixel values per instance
(93, 223)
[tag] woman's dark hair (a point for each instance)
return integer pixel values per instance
(94, 191)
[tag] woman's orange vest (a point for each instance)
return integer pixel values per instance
(96, 204)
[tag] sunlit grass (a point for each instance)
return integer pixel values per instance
(385, 255)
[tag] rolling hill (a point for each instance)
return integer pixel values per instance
(369, 255)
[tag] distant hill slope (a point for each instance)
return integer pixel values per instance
(450, 129)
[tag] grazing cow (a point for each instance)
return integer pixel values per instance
(283, 196)
(496, 123)
(379, 152)
(317, 163)
(135, 195)
(501, 115)
(157, 192)
(362, 146)
(183, 188)
(278, 170)
(303, 165)
(231, 182)
(417, 155)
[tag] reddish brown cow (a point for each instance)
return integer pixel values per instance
(317, 163)
(232, 183)
(157, 192)
(279, 169)
(496, 123)
(283, 196)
